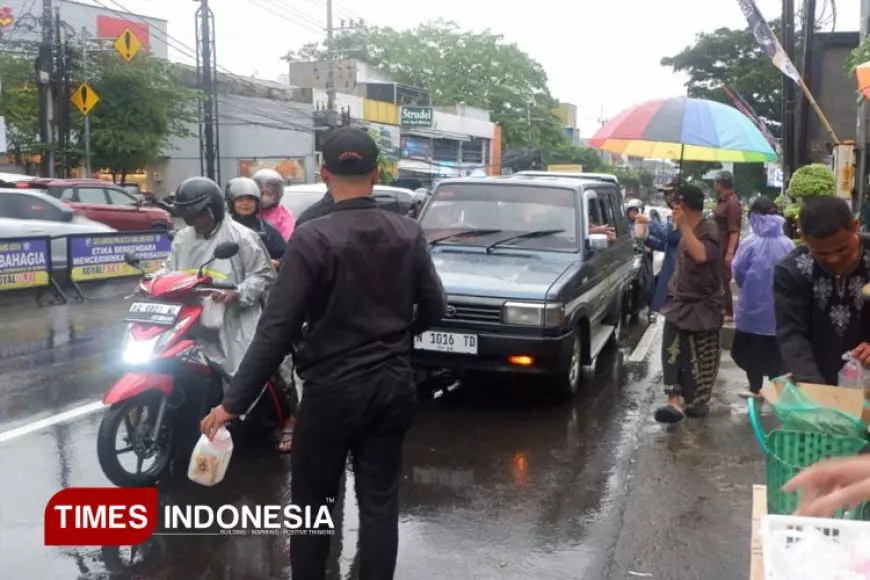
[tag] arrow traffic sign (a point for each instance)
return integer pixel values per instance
(128, 45)
(84, 98)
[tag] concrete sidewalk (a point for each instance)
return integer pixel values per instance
(688, 511)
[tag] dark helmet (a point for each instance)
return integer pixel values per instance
(197, 194)
(241, 187)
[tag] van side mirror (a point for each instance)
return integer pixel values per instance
(597, 242)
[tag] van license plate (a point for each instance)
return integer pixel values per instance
(446, 342)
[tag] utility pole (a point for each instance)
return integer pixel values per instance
(861, 129)
(85, 70)
(330, 82)
(809, 26)
(206, 71)
(61, 99)
(46, 103)
(788, 92)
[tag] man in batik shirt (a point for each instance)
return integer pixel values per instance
(821, 312)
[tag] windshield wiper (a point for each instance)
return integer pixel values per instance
(464, 234)
(525, 236)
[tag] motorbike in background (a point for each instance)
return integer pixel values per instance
(156, 407)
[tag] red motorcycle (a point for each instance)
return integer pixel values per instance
(155, 408)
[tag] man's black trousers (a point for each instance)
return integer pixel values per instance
(369, 420)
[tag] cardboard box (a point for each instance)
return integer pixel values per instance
(759, 510)
(849, 401)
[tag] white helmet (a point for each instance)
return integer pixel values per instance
(242, 187)
(271, 186)
(634, 204)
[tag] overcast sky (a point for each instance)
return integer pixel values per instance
(599, 55)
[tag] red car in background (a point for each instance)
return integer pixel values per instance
(102, 202)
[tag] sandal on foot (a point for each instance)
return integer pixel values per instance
(668, 414)
(750, 395)
(284, 442)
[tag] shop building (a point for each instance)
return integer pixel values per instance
(260, 125)
(19, 23)
(420, 142)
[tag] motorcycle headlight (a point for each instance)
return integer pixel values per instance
(139, 351)
(136, 352)
(533, 314)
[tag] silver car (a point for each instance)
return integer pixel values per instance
(28, 213)
(298, 198)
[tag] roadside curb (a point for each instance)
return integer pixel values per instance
(93, 291)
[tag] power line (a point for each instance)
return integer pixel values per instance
(184, 48)
(292, 15)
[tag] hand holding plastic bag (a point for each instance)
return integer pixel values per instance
(212, 313)
(210, 459)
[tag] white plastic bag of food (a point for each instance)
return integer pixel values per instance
(210, 459)
(212, 313)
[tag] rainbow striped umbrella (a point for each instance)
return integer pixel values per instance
(686, 129)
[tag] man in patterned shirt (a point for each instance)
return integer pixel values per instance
(818, 291)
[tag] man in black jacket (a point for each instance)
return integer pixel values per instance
(355, 276)
(318, 209)
(818, 291)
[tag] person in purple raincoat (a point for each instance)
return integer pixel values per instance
(755, 348)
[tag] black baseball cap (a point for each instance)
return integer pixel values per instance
(350, 151)
(671, 184)
(690, 195)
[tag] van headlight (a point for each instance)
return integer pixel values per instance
(533, 314)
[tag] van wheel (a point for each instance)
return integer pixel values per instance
(159, 227)
(567, 384)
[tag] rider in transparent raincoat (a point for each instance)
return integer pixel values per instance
(200, 202)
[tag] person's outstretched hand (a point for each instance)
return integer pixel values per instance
(831, 485)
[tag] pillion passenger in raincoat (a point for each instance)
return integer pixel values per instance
(200, 202)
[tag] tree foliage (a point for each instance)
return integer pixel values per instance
(732, 58)
(18, 103)
(566, 153)
(142, 107)
(477, 68)
(859, 55)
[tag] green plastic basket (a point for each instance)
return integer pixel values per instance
(790, 452)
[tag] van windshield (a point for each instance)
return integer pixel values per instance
(508, 210)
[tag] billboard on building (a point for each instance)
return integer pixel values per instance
(416, 148)
(111, 28)
(292, 169)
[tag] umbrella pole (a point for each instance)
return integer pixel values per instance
(680, 174)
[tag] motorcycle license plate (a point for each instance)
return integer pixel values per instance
(157, 313)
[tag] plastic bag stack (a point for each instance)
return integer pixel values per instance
(816, 556)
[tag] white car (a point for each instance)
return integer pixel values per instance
(298, 198)
(26, 212)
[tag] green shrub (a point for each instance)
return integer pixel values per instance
(792, 211)
(812, 180)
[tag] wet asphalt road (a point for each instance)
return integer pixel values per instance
(499, 482)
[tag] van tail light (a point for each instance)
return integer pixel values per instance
(22, 185)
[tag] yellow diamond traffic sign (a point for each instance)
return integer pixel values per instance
(128, 45)
(85, 98)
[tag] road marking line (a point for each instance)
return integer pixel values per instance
(642, 348)
(49, 421)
